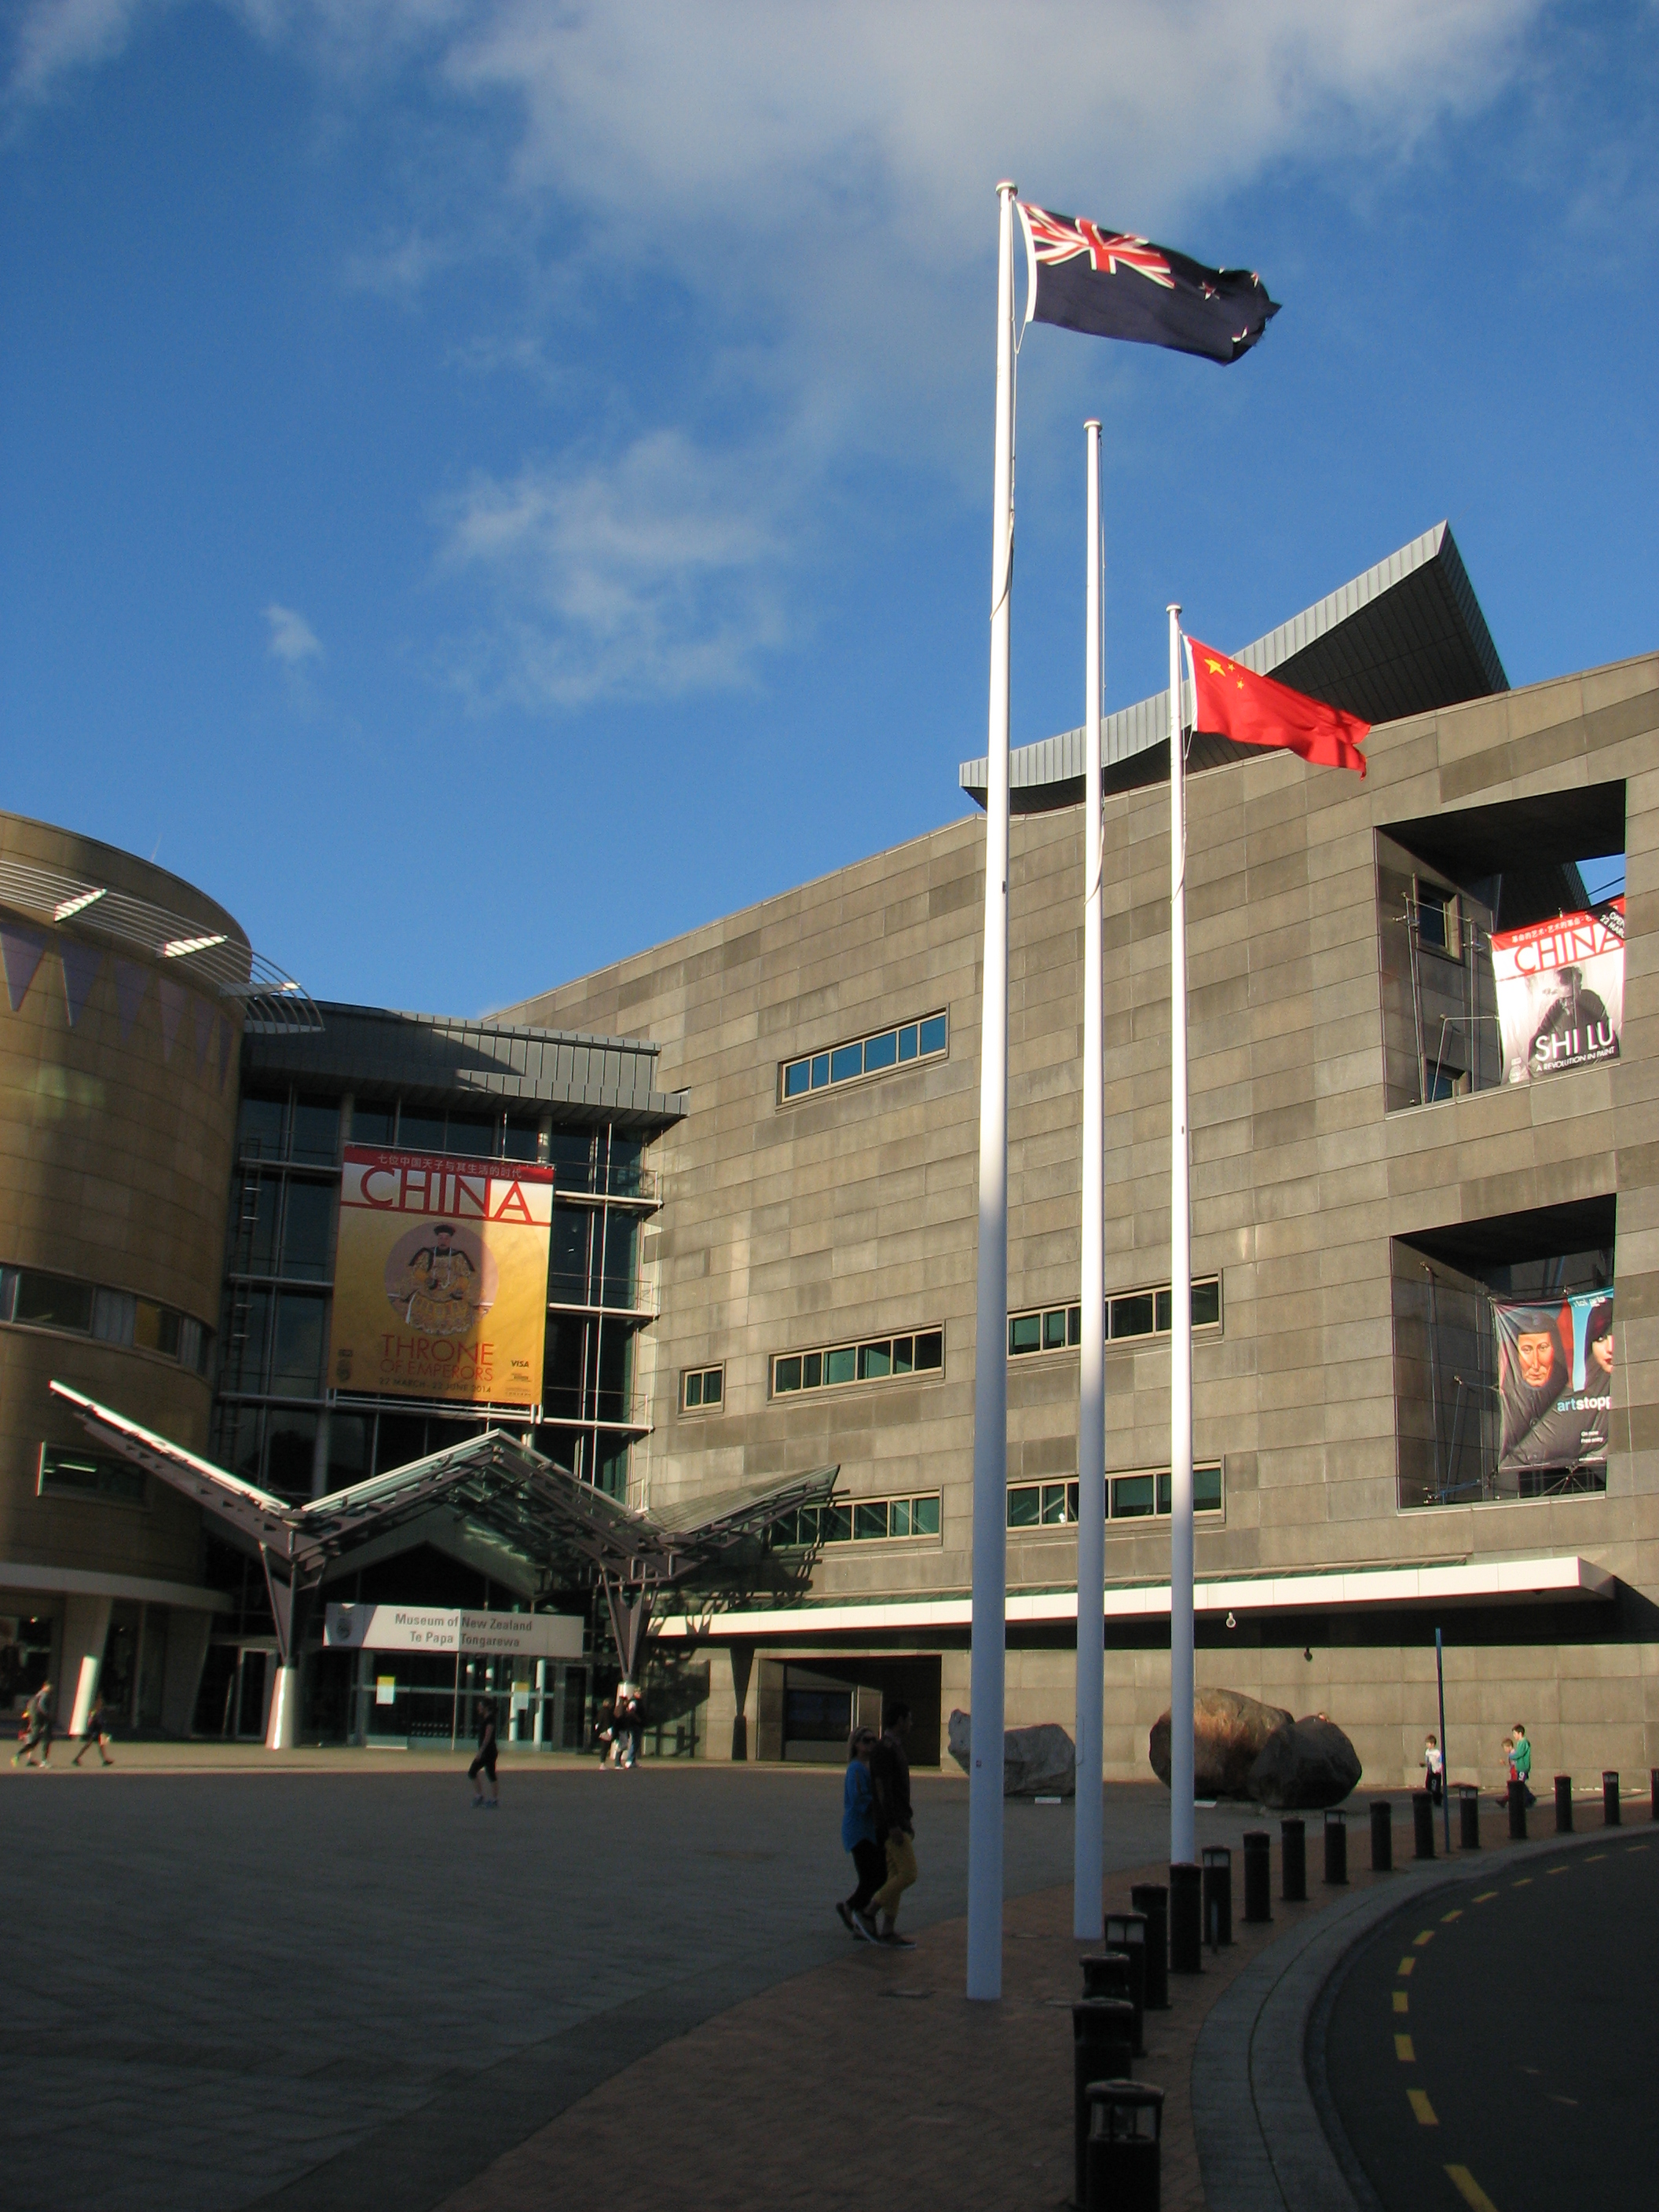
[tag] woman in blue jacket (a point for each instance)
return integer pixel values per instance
(860, 1834)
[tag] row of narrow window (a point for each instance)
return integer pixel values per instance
(924, 1039)
(39, 1300)
(1128, 1497)
(878, 1359)
(1134, 1313)
(858, 1521)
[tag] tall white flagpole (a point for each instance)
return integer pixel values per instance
(1088, 1845)
(1183, 1847)
(991, 1324)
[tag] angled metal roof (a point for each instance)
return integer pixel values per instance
(435, 1059)
(1405, 638)
(547, 1516)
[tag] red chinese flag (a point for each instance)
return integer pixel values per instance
(1232, 702)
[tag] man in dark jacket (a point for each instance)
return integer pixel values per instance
(890, 1771)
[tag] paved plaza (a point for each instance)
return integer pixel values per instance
(335, 1984)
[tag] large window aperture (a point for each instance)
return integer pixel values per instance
(879, 1053)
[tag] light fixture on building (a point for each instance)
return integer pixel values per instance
(1232, 1623)
(1307, 1651)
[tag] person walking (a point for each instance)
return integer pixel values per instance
(1520, 1761)
(1434, 1770)
(37, 1729)
(890, 1771)
(859, 1835)
(484, 1761)
(96, 1732)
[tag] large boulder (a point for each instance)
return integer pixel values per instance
(1229, 1732)
(1036, 1762)
(1306, 1764)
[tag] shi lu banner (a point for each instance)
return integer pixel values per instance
(1560, 992)
(1555, 1381)
(440, 1278)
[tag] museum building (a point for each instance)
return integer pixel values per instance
(762, 1252)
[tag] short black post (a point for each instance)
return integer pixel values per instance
(1653, 1785)
(1258, 1874)
(1186, 1919)
(1218, 1896)
(1103, 2050)
(1564, 1804)
(1469, 1816)
(1152, 1899)
(1423, 1824)
(1293, 1861)
(1517, 1811)
(1106, 1974)
(1336, 1847)
(1382, 1836)
(1126, 2127)
(1126, 1932)
(1610, 1798)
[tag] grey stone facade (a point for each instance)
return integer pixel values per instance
(851, 1214)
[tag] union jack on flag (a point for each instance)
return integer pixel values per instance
(1112, 283)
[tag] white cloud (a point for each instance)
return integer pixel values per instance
(814, 186)
(293, 640)
(640, 574)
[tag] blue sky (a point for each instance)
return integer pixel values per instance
(487, 486)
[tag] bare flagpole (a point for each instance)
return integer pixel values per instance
(1183, 1847)
(1088, 1845)
(991, 1321)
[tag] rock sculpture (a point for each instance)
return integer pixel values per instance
(1229, 1732)
(1039, 1761)
(1306, 1764)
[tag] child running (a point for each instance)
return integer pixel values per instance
(860, 1835)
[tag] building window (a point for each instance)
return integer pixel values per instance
(859, 1521)
(89, 1476)
(38, 1300)
(1128, 1497)
(926, 1039)
(880, 1359)
(702, 1389)
(1136, 1312)
(1439, 919)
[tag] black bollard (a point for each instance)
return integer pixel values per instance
(1258, 1875)
(1293, 1861)
(1469, 1816)
(1151, 1898)
(1423, 1823)
(1564, 1804)
(1103, 2050)
(1126, 2127)
(1126, 1932)
(1107, 1974)
(1517, 1811)
(1336, 1847)
(1653, 1785)
(1218, 1896)
(1610, 1798)
(1382, 1836)
(1186, 1919)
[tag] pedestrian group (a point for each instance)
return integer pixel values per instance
(878, 1828)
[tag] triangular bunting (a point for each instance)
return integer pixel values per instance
(174, 999)
(131, 982)
(82, 965)
(20, 950)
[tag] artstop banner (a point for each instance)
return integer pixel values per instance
(440, 1278)
(1560, 992)
(1554, 1380)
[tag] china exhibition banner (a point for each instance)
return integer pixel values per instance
(1560, 992)
(1554, 1380)
(440, 1278)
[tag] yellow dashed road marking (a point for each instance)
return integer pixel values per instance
(1456, 1913)
(1590, 1861)
(1422, 2108)
(1427, 1936)
(1629, 1847)
(1556, 2098)
(1469, 2188)
(1401, 2002)
(1546, 1869)
(1525, 1882)
(1403, 2052)
(1406, 1965)
(1485, 1897)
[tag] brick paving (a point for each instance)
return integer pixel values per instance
(872, 2078)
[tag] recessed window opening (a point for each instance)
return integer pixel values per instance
(1144, 1496)
(702, 1389)
(39, 1300)
(859, 1521)
(926, 1038)
(1132, 1314)
(877, 1359)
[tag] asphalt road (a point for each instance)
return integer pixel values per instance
(1493, 2045)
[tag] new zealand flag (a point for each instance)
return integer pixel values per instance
(1086, 277)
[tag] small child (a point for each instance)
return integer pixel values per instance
(1434, 1770)
(97, 1732)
